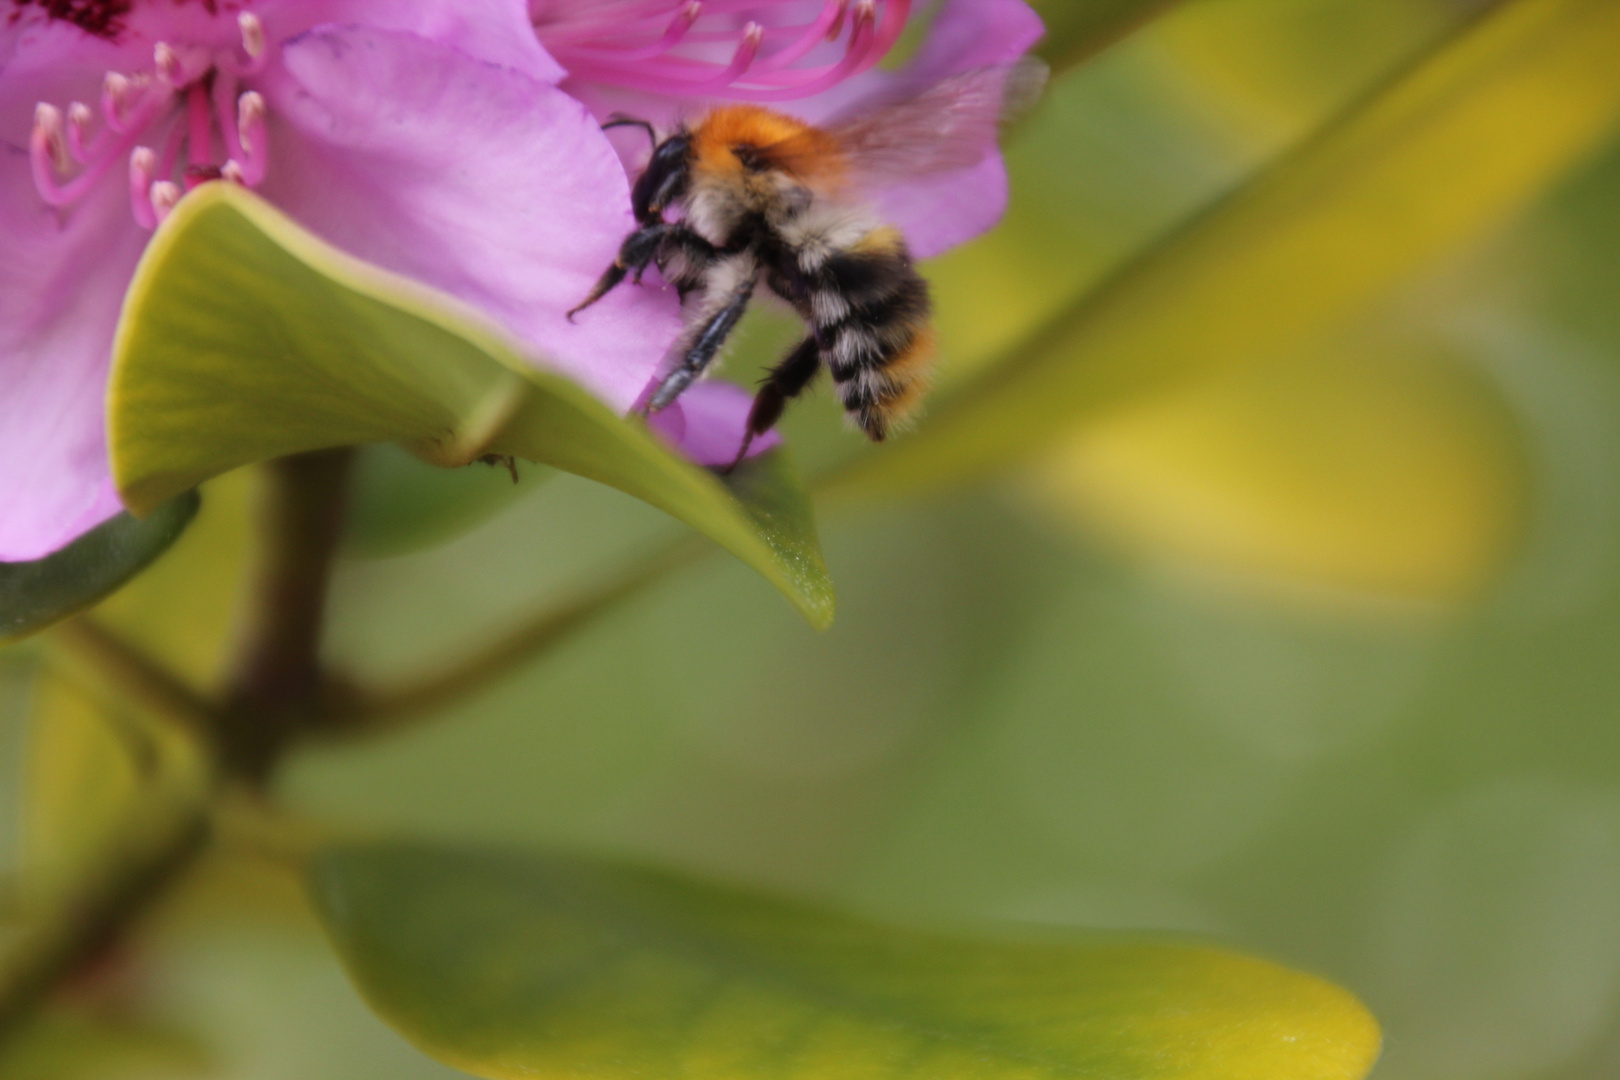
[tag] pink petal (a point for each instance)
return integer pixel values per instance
(495, 31)
(707, 423)
(940, 211)
(62, 280)
(480, 180)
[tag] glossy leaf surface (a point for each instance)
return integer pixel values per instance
(522, 965)
(1463, 139)
(246, 338)
(33, 595)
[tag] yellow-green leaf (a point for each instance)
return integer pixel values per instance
(1076, 31)
(68, 1047)
(1373, 468)
(514, 966)
(1460, 141)
(33, 595)
(244, 338)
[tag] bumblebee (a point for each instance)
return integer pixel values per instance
(762, 199)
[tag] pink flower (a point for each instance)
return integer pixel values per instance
(665, 60)
(428, 137)
(441, 139)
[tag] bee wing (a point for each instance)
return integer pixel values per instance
(949, 125)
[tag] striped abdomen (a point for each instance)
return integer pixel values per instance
(869, 309)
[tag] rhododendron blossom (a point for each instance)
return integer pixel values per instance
(453, 141)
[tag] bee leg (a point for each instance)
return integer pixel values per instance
(635, 253)
(786, 381)
(704, 347)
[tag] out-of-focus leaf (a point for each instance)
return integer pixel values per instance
(246, 338)
(89, 766)
(1076, 31)
(513, 966)
(33, 595)
(399, 504)
(77, 1048)
(1371, 468)
(1459, 142)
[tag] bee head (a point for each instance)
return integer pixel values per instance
(665, 179)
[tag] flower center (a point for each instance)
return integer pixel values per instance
(749, 49)
(191, 92)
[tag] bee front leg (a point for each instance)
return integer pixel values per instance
(635, 253)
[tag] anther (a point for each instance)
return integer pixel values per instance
(167, 63)
(47, 137)
(250, 118)
(142, 164)
(252, 34)
(78, 121)
(114, 99)
(232, 171)
(164, 195)
(747, 49)
(837, 26)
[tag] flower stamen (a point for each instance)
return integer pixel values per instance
(190, 91)
(656, 46)
(164, 195)
(142, 168)
(47, 142)
(252, 34)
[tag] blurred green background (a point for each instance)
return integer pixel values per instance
(1316, 657)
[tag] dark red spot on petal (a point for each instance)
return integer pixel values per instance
(103, 18)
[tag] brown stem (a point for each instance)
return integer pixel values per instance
(279, 686)
(92, 919)
(396, 707)
(117, 664)
(277, 693)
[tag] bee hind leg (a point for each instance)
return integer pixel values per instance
(786, 381)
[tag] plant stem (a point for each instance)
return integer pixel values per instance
(278, 691)
(400, 706)
(118, 664)
(279, 686)
(93, 918)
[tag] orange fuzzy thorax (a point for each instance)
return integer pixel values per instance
(807, 153)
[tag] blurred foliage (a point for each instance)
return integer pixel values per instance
(1311, 652)
(512, 965)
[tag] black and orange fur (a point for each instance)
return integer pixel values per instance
(764, 198)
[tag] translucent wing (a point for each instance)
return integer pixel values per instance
(949, 125)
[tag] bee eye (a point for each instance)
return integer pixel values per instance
(751, 158)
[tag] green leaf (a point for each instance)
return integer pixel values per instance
(33, 595)
(1463, 139)
(521, 965)
(67, 1047)
(1075, 32)
(399, 504)
(244, 338)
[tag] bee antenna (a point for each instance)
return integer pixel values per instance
(621, 120)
